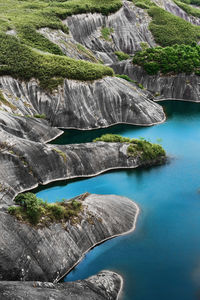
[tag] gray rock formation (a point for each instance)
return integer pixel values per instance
(130, 28)
(177, 87)
(34, 129)
(47, 254)
(103, 286)
(83, 105)
(25, 164)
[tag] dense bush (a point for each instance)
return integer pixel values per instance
(188, 9)
(121, 55)
(175, 59)
(33, 210)
(138, 147)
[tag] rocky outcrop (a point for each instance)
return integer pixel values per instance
(178, 87)
(83, 105)
(29, 128)
(103, 286)
(129, 28)
(25, 164)
(48, 253)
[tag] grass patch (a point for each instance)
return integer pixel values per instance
(168, 29)
(33, 210)
(40, 116)
(174, 59)
(189, 9)
(137, 148)
(61, 153)
(106, 32)
(126, 77)
(121, 55)
(194, 2)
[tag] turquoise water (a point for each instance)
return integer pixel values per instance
(160, 260)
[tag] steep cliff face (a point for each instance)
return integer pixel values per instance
(129, 27)
(83, 105)
(103, 286)
(46, 254)
(178, 87)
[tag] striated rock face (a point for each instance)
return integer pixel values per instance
(178, 87)
(37, 130)
(130, 28)
(83, 105)
(25, 164)
(103, 286)
(47, 254)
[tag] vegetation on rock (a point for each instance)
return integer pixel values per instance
(35, 211)
(137, 148)
(168, 29)
(121, 55)
(25, 63)
(106, 32)
(175, 59)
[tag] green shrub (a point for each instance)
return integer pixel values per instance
(137, 148)
(123, 76)
(175, 59)
(141, 5)
(40, 116)
(33, 210)
(121, 55)
(112, 138)
(168, 29)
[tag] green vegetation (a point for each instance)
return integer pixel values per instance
(61, 153)
(5, 102)
(138, 147)
(121, 55)
(106, 32)
(30, 54)
(168, 29)
(195, 2)
(189, 9)
(87, 53)
(22, 62)
(40, 116)
(33, 210)
(126, 77)
(175, 59)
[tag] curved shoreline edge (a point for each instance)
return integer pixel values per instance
(101, 242)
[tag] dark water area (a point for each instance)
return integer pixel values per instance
(160, 260)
